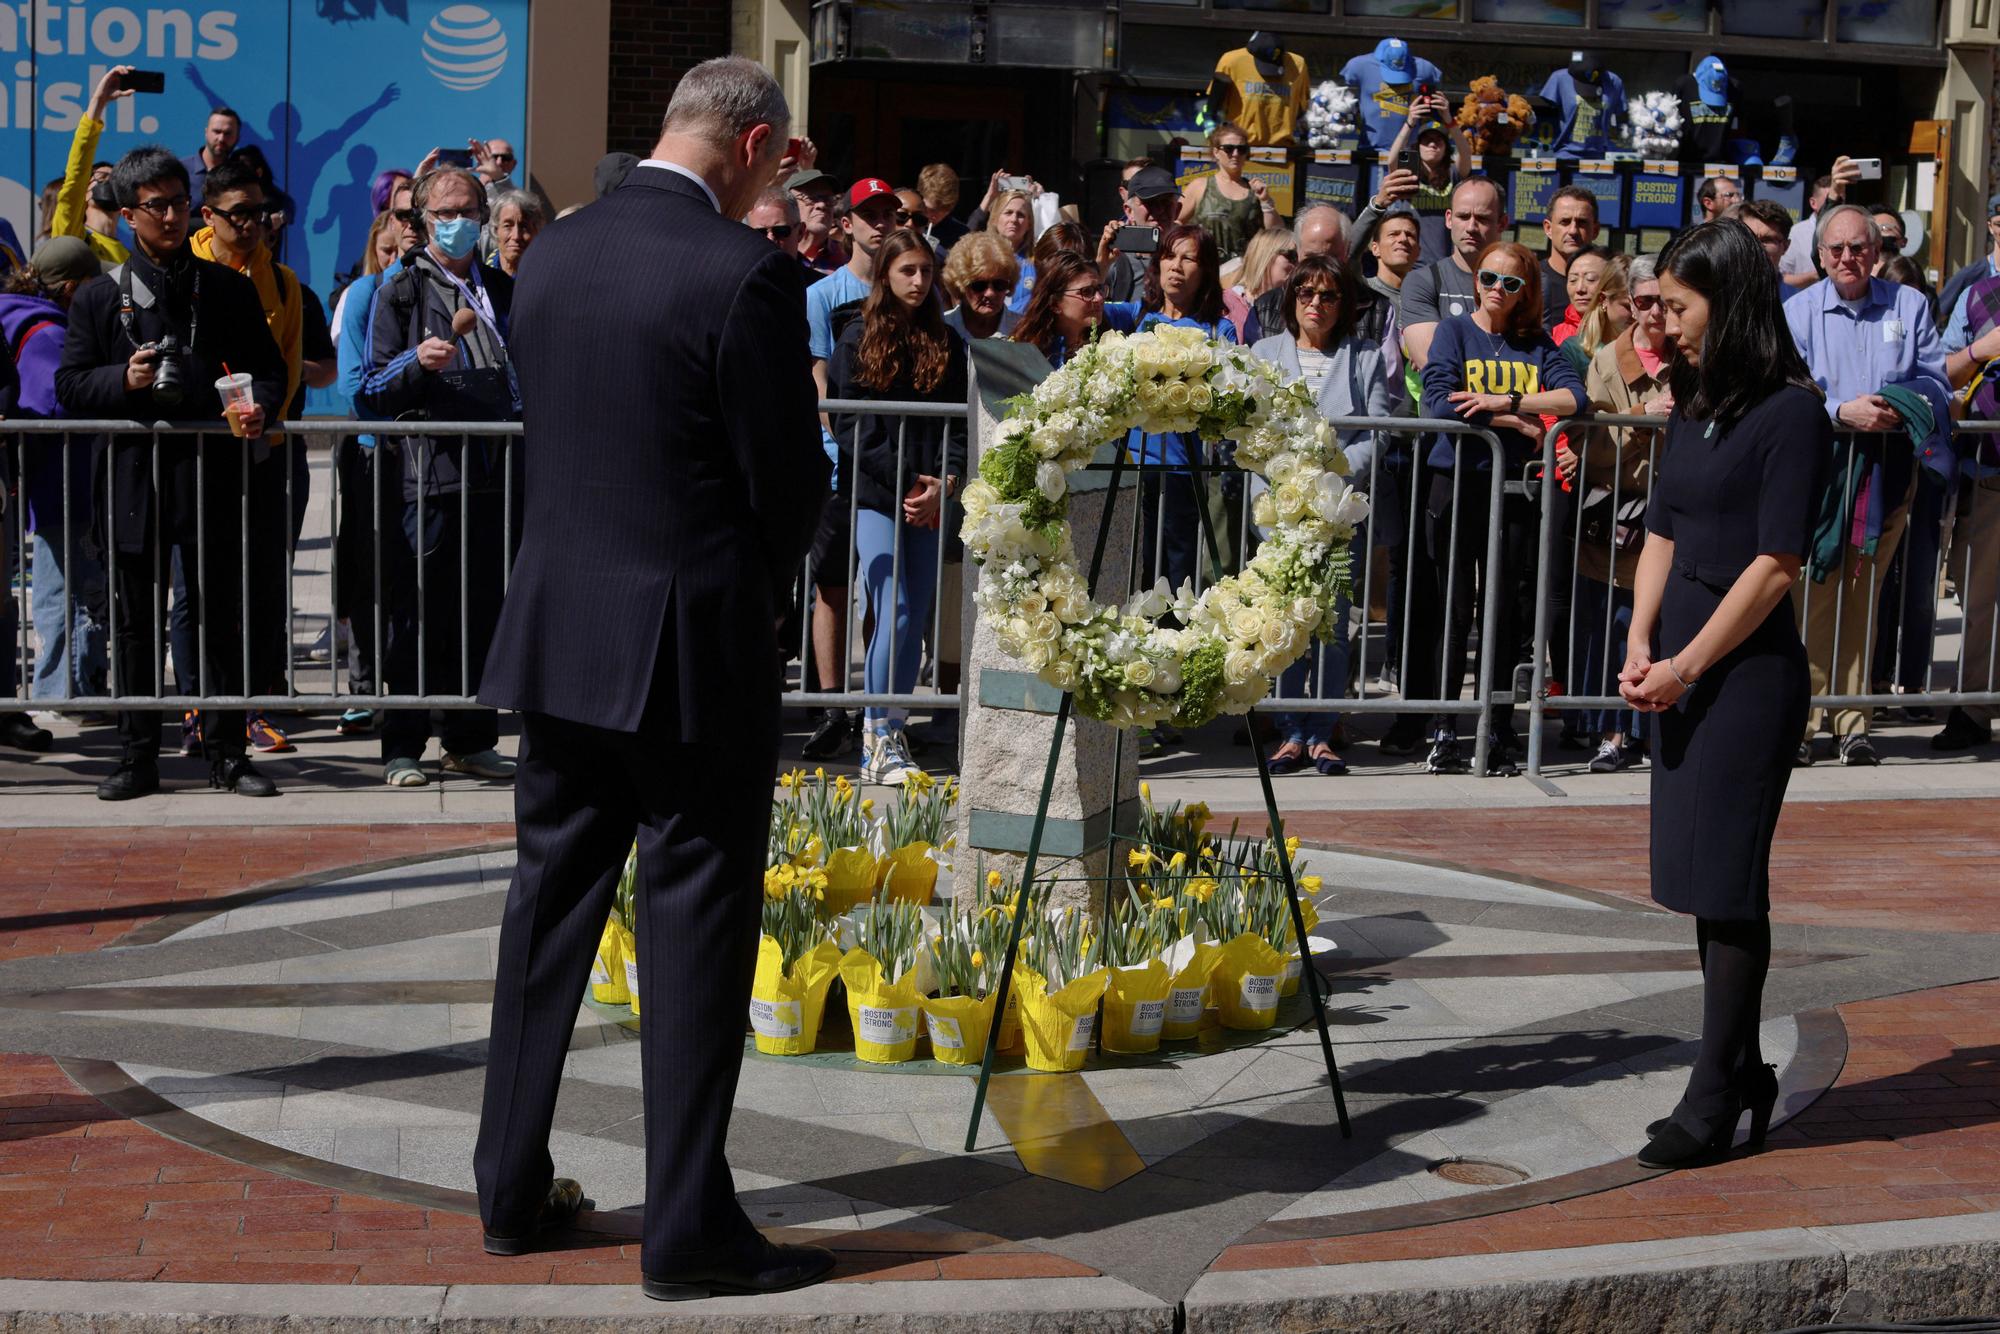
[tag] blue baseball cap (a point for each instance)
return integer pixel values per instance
(1712, 77)
(1393, 55)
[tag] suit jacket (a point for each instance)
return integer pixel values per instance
(676, 476)
(90, 382)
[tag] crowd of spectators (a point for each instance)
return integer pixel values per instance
(1420, 306)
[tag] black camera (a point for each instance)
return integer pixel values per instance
(170, 372)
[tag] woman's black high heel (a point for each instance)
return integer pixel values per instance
(1672, 1145)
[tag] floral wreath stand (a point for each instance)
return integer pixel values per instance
(1120, 463)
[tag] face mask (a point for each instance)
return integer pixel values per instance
(455, 239)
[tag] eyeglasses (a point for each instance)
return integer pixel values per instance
(1506, 282)
(1318, 296)
(1857, 248)
(1090, 293)
(982, 286)
(1645, 302)
(777, 231)
(1232, 149)
(165, 208)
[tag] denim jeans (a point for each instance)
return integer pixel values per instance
(915, 580)
(1320, 674)
(1600, 657)
(71, 660)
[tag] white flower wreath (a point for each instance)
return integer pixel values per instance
(1123, 666)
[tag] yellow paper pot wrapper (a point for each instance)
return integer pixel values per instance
(628, 960)
(850, 879)
(884, 1014)
(1135, 1007)
(1246, 983)
(785, 1008)
(1187, 993)
(607, 970)
(1010, 1022)
(958, 1026)
(909, 875)
(1058, 1027)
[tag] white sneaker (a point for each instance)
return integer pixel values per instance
(323, 648)
(888, 760)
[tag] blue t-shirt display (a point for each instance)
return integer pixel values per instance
(1586, 126)
(1383, 107)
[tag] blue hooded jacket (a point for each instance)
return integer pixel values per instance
(34, 328)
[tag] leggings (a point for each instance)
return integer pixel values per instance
(1735, 956)
(914, 574)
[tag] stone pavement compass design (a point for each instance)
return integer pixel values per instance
(338, 1031)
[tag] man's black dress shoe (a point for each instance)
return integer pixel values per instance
(773, 1269)
(560, 1208)
(20, 731)
(240, 777)
(134, 778)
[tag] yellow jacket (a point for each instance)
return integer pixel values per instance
(68, 219)
(278, 293)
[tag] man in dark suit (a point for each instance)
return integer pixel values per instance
(673, 486)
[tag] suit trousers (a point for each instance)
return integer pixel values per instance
(1974, 563)
(1838, 617)
(701, 815)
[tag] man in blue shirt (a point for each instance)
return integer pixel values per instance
(1861, 335)
(1970, 344)
(217, 143)
(1384, 81)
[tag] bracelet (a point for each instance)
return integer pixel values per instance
(1685, 683)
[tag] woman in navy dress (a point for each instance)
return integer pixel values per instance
(1714, 650)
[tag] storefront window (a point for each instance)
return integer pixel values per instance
(1403, 9)
(1555, 13)
(1893, 22)
(1801, 20)
(1271, 6)
(1654, 15)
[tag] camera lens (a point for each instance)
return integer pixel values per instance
(169, 382)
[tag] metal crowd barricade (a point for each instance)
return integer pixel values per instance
(216, 447)
(1968, 496)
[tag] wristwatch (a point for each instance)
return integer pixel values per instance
(1514, 401)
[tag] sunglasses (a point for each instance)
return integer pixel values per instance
(1232, 149)
(1644, 302)
(1856, 248)
(406, 216)
(1318, 296)
(906, 216)
(246, 216)
(983, 286)
(777, 231)
(1506, 282)
(1090, 293)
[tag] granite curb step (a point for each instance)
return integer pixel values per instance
(1756, 1280)
(1894, 1271)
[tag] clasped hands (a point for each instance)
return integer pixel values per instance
(1647, 686)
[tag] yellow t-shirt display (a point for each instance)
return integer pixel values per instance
(1267, 106)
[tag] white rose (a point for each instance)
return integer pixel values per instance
(1201, 398)
(1263, 510)
(1061, 674)
(1275, 634)
(1282, 468)
(1176, 397)
(1049, 480)
(1140, 673)
(1291, 501)
(1042, 627)
(1305, 612)
(1239, 667)
(1246, 624)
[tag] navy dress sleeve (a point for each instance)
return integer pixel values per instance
(1798, 447)
(1659, 513)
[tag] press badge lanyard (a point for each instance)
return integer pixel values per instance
(478, 304)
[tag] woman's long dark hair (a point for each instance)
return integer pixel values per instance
(1747, 352)
(1207, 306)
(895, 340)
(1330, 270)
(1038, 322)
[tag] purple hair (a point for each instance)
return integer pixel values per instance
(384, 187)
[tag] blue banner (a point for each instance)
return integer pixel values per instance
(331, 91)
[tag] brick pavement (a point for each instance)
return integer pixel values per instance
(1912, 1129)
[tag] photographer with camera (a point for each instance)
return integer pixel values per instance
(1152, 202)
(437, 350)
(148, 341)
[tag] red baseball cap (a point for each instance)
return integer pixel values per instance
(867, 189)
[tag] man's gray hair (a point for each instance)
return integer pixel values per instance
(778, 199)
(1340, 222)
(1827, 216)
(530, 206)
(719, 99)
(426, 185)
(1645, 269)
